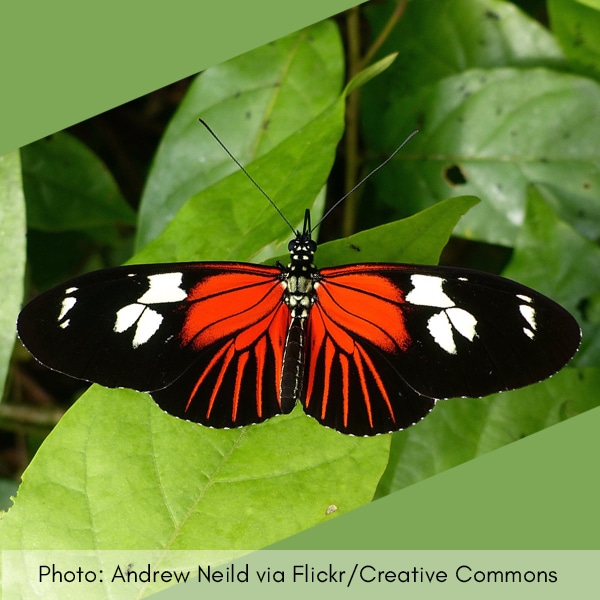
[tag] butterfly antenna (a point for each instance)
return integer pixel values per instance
(239, 164)
(387, 160)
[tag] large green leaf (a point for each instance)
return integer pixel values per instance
(491, 133)
(68, 188)
(418, 239)
(12, 259)
(253, 102)
(117, 472)
(74, 210)
(485, 84)
(436, 39)
(576, 26)
(235, 218)
(12, 254)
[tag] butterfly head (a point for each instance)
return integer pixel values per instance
(302, 248)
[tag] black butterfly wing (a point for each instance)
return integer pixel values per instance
(384, 340)
(205, 339)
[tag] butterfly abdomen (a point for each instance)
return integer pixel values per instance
(292, 372)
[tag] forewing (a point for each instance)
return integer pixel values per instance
(238, 335)
(200, 332)
(384, 340)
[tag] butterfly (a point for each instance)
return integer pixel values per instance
(365, 348)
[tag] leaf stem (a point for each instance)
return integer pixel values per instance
(356, 63)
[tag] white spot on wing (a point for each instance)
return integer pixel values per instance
(442, 326)
(527, 299)
(145, 320)
(427, 291)
(464, 322)
(164, 287)
(440, 329)
(147, 326)
(528, 313)
(127, 317)
(67, 304)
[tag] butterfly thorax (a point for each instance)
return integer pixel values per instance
(300, 276)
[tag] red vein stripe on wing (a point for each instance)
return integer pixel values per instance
(233, 320)
(355, 331)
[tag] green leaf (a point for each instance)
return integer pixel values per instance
(175, 485)
(576, 26)
(459, 430)
(435, 39)
(591, 3)
(236, 218)
(423, 237)
(68, 188)
(445, 83)
(370, 72)
(12, 254)
(75, 211)
(490, 134)
(253, 103)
